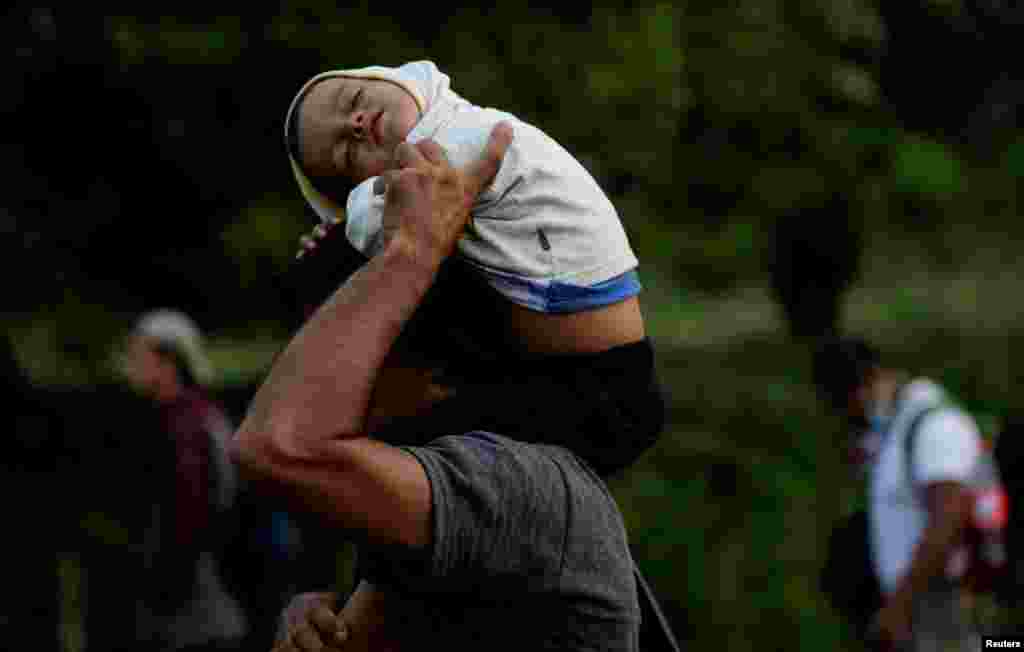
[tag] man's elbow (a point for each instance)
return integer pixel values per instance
(246, 451)
(258, 451)
(949, 508)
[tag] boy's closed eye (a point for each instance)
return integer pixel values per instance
(348, 128)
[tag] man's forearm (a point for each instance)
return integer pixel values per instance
(320, 386)
(938, 541)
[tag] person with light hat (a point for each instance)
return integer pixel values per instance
(188, 607)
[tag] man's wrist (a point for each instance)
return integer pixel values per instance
(414, 264)
(902, 600)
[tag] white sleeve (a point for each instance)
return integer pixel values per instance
(947, 448)
(364, 214)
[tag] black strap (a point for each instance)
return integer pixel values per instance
(656, 633)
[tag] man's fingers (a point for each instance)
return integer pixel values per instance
(481, 172)
(326, 622)
(432, 152)
(306, 639)
(284, 646)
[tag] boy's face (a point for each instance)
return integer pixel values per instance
(350, 127)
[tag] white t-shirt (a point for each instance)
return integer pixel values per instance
(947, 448)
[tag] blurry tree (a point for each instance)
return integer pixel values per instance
(814, 259)
(757, 142)
(947, 69)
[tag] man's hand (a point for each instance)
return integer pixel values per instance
(891, 626)
(305, 433)
(309, 624)
(428, 202)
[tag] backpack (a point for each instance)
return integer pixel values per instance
(848, 578)
(1009, 455)
(985, 531)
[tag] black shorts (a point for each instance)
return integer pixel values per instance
(607, 407)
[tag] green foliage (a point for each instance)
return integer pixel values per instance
(257, 239)
(1015, 159)
(172, 40)
(708, 122)
(927, 168)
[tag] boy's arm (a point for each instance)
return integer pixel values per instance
(364, 218)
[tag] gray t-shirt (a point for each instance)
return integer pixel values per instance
(529, 552)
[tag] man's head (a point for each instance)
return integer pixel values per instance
(344, 130)
(847, 372)
(165, 355)
(456, 334)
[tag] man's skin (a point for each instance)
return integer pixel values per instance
(948, 507)
(306, 430)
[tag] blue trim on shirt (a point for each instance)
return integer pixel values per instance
(558, 297)
(563, 297)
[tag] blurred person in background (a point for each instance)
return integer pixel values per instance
(267, 548)
(186, 606)
(917, 507)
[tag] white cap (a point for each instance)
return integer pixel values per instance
(177, 331)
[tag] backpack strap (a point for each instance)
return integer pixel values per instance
(656, 632)
(911, 439)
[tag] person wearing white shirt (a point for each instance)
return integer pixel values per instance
(917, 507)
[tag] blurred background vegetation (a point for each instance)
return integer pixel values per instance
(782, 168)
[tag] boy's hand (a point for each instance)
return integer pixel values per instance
(310, 624)
(308, 243)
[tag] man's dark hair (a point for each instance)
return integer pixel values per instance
(841, 365)
(457, 326)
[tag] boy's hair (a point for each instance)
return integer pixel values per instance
(841, 365)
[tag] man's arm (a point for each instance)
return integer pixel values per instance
(947, 450)
(305, 430)
(948, 507)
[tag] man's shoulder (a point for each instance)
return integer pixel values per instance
(522, 531)
(945, 443)
(490, 450)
